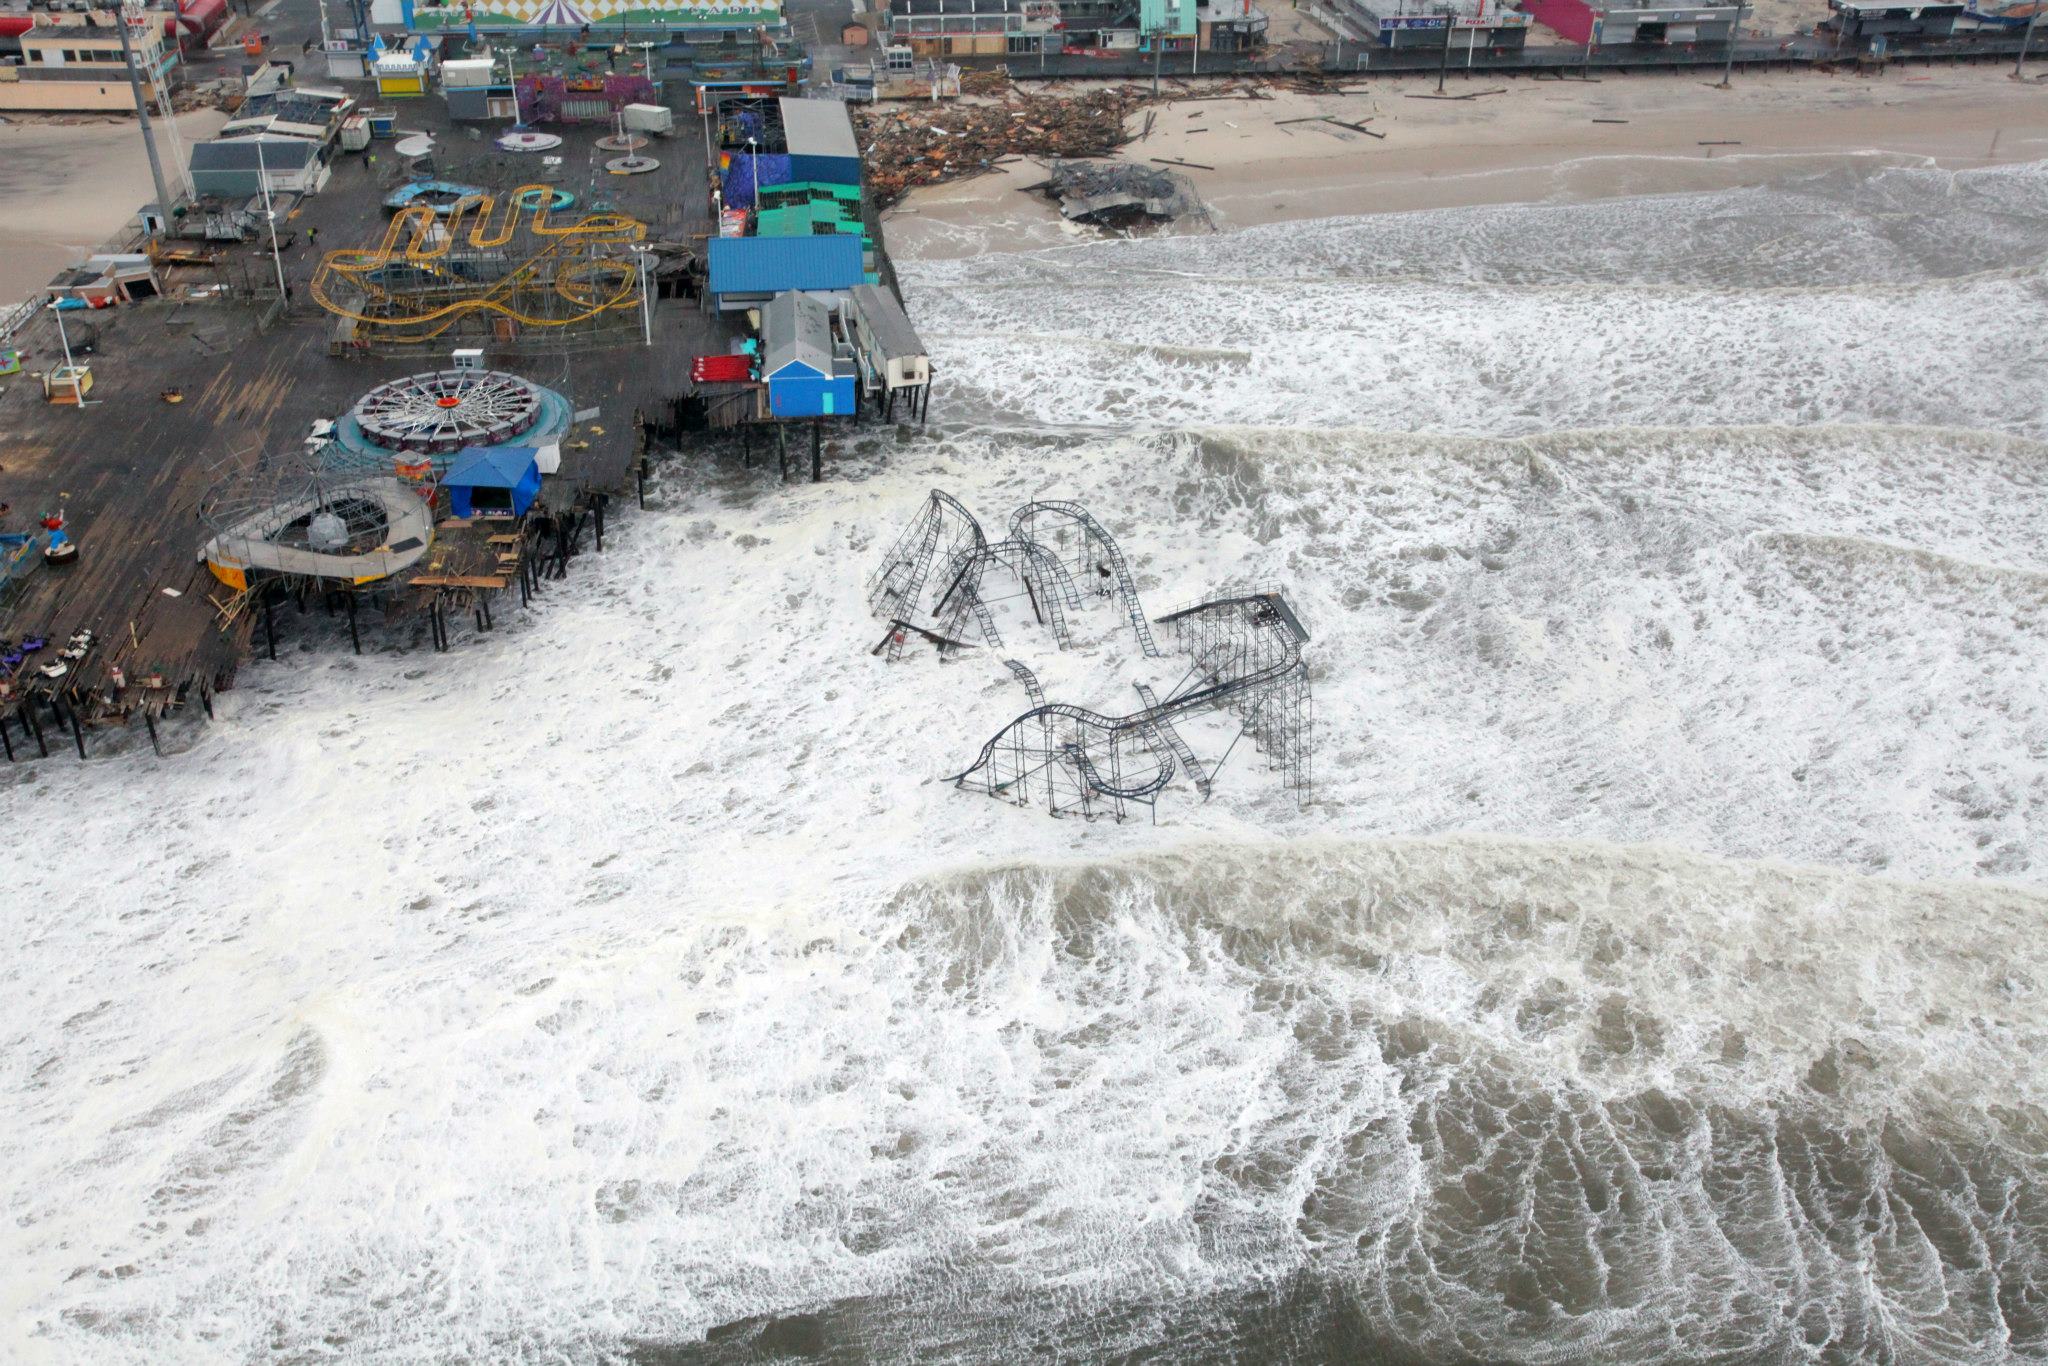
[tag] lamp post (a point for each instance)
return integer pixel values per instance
(1444, 66)
(754, 165)
(270, 217)
(63, 337)
(640, 253)
(2026, 37)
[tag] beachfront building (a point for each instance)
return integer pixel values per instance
(1863, 22)
(1471, 26)
(687, 18)
(1667, 26)
(1230, 26)
(1638, 26)
(74, 62)
(809, 371)
(974, 28)
(999, 28)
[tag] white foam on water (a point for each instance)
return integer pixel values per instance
(1655, 971)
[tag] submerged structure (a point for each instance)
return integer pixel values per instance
(1243, 651)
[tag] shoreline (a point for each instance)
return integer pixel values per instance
(68, 183)
(1269, 161)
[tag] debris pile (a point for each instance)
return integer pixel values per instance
(906, 148)
(1119, 194)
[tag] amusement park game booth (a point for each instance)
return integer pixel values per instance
(493, 481)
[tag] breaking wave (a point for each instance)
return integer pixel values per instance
(1655, 972)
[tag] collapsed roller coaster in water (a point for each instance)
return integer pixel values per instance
(1243, 648)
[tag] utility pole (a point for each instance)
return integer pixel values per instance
(156, 169)
(1157, 47)
(2026, 37)
(1450, 26)
(1734, 32)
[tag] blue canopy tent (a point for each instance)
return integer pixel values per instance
(493, 481)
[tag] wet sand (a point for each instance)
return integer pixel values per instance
(1534, 142)
(68, 185)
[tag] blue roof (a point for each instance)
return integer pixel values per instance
(770, 265)
(491, 467)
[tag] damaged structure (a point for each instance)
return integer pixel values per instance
(1119, 194)
(1243, 652)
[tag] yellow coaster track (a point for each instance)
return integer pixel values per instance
(590, 284)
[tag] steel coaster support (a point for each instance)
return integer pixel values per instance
(1168, 738)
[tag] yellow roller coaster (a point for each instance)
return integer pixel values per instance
(403, 285)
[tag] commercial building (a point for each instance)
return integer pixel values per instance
(1667, 24)
(746, 272)
(1861, 21)
(809, 371)
(974, 28)
(236, 168)
(1408, 24)
(75, 63)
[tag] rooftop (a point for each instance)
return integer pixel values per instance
(770, 265)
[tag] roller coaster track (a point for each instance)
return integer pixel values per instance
(1112, 557)
(1028, 679)
(896, 587)
(590, 284)
(1163, 730)
(1141, 792)
(1046, 580)
(1218, 694)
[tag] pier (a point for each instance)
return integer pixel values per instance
(219, 381)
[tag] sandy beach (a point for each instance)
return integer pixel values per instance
(1533, 142)
(67, 185)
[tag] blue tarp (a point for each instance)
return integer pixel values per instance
(738, 190)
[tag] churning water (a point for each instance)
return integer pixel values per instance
(1656, 973)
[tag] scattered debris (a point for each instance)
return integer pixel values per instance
(905, 148)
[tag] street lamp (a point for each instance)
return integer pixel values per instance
(270, 217)
(754, 164)
(640, 254)
(2026, 37)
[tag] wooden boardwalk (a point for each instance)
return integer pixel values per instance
(128, 470)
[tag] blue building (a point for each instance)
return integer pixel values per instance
(747, 272)
(493, 481)
(818, 135)
(809, 373)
